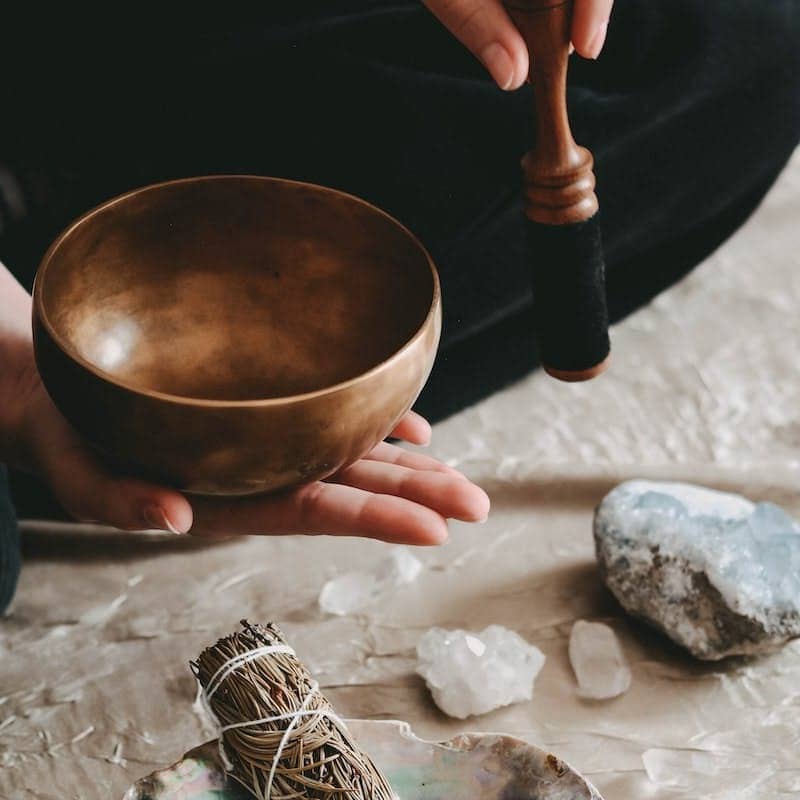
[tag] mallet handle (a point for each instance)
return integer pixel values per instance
(558, 173)
(559, 176)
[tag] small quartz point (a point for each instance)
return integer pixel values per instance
(718, 574)
(474, 673)
(354, 591)
(598, 661)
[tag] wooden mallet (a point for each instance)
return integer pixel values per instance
(561, 206)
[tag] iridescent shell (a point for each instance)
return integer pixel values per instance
(470, 767)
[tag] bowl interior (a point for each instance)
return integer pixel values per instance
(235, 288)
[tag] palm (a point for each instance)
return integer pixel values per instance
(391, 494)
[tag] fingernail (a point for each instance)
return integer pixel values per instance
(155, 517)
(598, 40)
(497, 60)
(571, 48)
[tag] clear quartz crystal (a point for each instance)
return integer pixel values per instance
(354, 591)
(474, 673)
(598, 661)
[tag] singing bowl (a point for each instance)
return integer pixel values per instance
(235, 334)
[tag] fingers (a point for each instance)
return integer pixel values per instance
(391, 454)
(392, 495)
(323, 508)
(447, 495)
(485, 28)
(413, 428)
(590, 25)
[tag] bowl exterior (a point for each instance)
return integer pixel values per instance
(237, 448)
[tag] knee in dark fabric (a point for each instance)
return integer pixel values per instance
(10, 558)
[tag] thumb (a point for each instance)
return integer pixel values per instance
(88, 492)
(485, 28)
(84, 486)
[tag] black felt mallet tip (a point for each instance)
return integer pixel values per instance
(571, 317)
(565, 241)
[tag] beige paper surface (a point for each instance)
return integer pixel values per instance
(94, 685)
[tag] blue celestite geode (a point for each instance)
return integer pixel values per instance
(718, 574)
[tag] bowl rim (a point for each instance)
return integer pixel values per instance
(40, 312)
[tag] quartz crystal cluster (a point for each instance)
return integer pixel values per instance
(474, 673)
(598, 661)
(717, 573)
(355, 591)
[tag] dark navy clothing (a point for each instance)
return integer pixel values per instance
(9, 545)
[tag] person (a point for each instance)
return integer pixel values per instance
(691, 112)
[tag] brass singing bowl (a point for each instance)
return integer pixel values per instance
(235, 334)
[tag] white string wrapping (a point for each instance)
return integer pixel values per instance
(242, 658)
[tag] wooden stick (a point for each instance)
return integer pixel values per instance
(559, 174)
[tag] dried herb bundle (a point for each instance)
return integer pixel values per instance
(281, 736)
